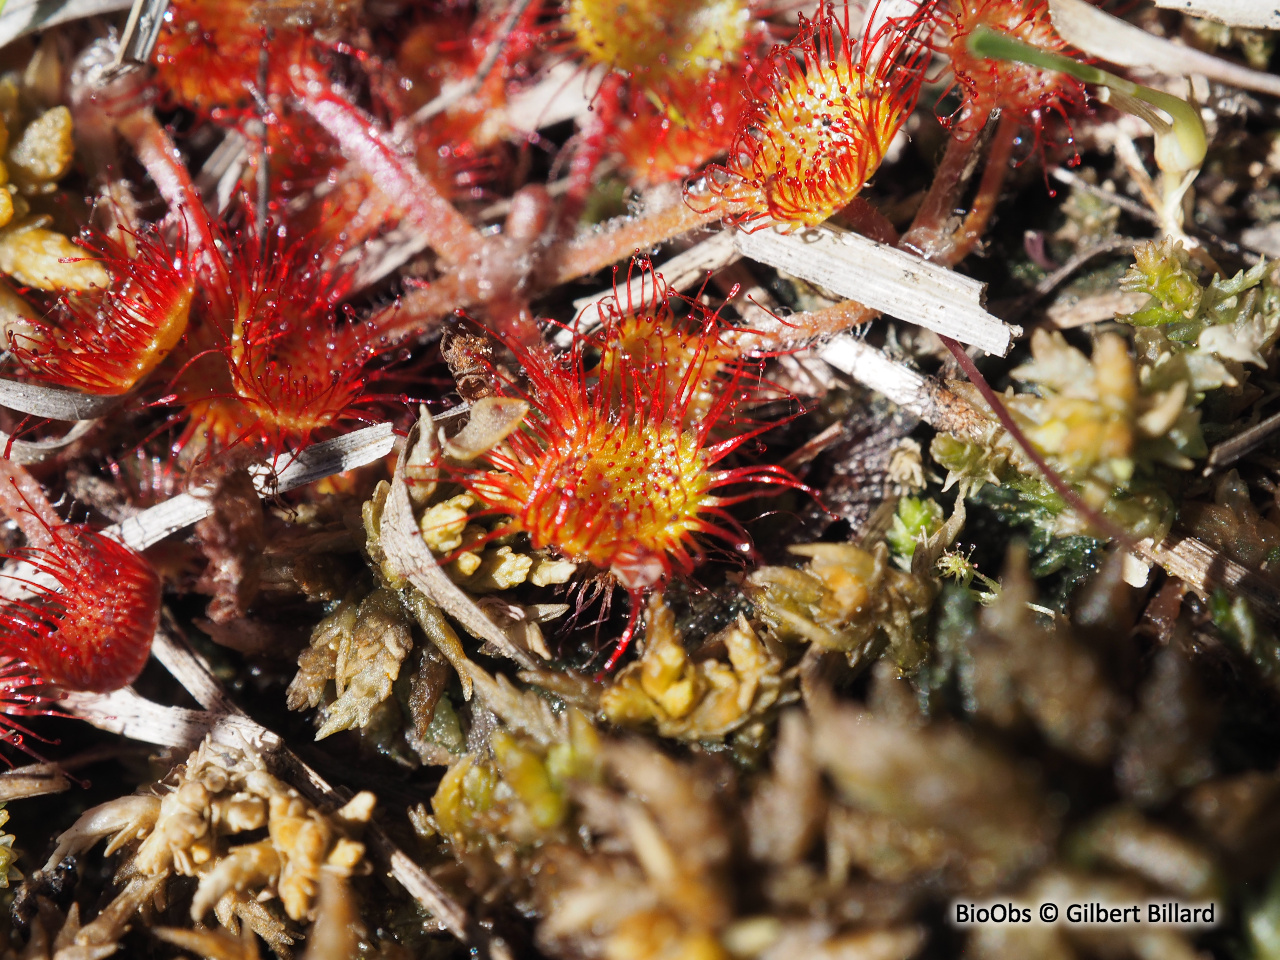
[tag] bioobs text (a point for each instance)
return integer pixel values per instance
(991, 913)
(1168, 913)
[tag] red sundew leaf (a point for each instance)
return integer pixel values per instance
(107, 342)
(617, 465)
(1030, 94)
(271, 362)
(93, 631)
(825, 108)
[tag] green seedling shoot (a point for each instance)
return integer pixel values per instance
(1181, 141)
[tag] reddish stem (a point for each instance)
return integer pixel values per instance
(984, 202)
(419, 311)
(635, 597)
(22, 500)
(156, 151)
(364, 143)
(1105, 527)
(929, 235)
(799, 328)
(596, 248)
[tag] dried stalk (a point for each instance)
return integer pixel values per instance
(883, 278)
(1234, 13)
(1052, 281)
(1231, 450)
(408, 553)
(1204, 568)
(1109, 38)
(923, 396)
(141, 31)
(314, 463)
(54, 403)
(127, 714)
(1131, 207)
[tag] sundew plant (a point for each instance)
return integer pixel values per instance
(704, 480)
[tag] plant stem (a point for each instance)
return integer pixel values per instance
(1104, 527)
(157, 153)
(929, 233)
(598, 247)
(395, 175)
(22, 500)
(799, 328)
(419, 311)
(984, 202)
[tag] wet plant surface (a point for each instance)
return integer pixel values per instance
(438, 526)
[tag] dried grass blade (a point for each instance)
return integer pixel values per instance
(356, 449)
(20, 17)
(54, 403)
(1187, 558)
(126, 713)
(408, 553)
(1109, 38)
(1229, 451)
(141, 31)
(1204, 568)
(1234, 13)
(314, 463)
(155, 523)
(886, 279)
(923, 396)
(189, 669)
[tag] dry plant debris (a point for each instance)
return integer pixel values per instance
(487, 591)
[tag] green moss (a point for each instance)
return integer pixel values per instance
(914, 519)
(1240, 627)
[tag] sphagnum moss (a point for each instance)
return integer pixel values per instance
(826, 732)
